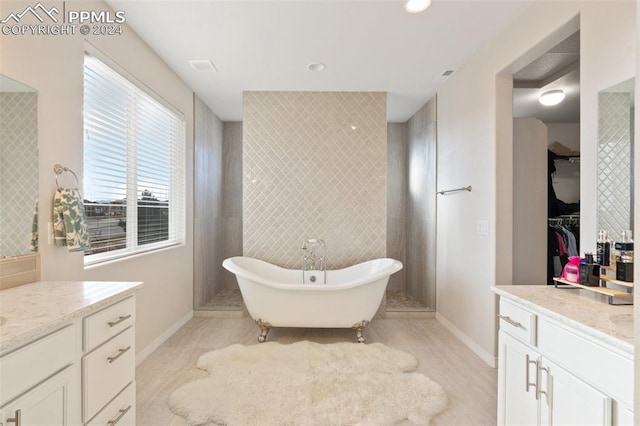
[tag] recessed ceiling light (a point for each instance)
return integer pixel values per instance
(417, 6)
(552, 97)
(203, 65)
(316, 66)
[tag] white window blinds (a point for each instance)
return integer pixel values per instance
(134, 166)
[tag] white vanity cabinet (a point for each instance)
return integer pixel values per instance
(108, 365)
(62, 364)
(550, 373)
(40, 382)
(55, 401)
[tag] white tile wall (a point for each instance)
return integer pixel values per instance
(614, 163)
(314, 166)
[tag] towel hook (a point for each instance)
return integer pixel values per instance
(59, 169)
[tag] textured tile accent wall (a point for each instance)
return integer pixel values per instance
(314, 166)
(614, 163)
(18, 170)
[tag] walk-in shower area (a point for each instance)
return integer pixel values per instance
(370, 195)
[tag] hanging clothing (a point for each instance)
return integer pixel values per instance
(570, 241)
(553, 255)
(552, 200)
(69, 220)
(562, 242)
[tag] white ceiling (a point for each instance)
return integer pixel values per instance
(367, 45)
(558, 68)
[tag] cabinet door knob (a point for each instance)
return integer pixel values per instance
(119, 320)
(121, 414)
(17, 419)
(121, 352)
(510, 321)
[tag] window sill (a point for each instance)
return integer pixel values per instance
(116, 258)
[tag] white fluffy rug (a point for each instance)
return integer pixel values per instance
(309, 383)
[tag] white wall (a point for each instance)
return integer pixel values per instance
(54, 65)
(529, 201)
(475, 143)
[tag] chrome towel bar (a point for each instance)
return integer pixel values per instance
(465, 188)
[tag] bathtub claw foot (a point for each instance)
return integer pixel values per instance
(357, 327)
(264, 330)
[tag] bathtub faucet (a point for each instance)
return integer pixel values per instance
(314, 255)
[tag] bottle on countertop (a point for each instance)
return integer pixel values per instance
(626, 248)
(589, 271)
(603, 252)
(624, 264)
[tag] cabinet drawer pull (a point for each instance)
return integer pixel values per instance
(121, 352)
(539, 391)
(510, 321)
(17, 419)
(528, 383)
(121, 414)
(119, 320)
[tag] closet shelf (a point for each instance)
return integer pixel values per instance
(569, 159)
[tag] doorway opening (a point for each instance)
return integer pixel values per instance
(546, 164)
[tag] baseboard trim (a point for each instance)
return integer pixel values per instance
(409, 314)
(142, 355)
(220, 314)
(491, 360)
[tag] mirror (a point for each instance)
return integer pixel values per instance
(18, 168)
(615, 159)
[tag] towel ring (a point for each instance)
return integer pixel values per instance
(59, 169)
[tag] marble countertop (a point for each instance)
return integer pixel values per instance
(612, 324)
(31, 310)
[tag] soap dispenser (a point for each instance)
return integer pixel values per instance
(603, 252)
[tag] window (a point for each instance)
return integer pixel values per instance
(134, 173)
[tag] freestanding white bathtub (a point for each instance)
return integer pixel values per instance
(276, 297)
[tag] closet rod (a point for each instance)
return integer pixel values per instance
(465, 188)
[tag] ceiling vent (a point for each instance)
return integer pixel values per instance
(446, 73)
(203, 65)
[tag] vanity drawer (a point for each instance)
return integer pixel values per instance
(121, 411)
(26, 367)
(103, 325)
(592, 361)
(518, 322)
(106, 371)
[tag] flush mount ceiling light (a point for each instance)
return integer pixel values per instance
(316, 66)
(417, 6)
(203, 65)
(552, 97)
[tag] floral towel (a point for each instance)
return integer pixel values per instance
(33, 245)
(69, 220)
